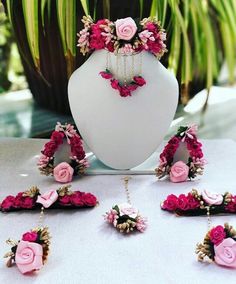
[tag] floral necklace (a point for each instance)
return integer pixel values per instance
(130, 82)
(124, 38)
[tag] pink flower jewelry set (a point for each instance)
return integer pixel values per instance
(125, 37)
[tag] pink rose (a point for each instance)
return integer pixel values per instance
(63, 172)
(125, 28)
(212, 198)
(65, 200)
(89, 199)
(50, 148)
(30, 237)
(231, 207)
(76, 199)
(25, 202)
(225, 253)
(193, 203)
(125, 92)
(7, 203)
(183, 202)
(170, 203)
(139, 81)
(179, 172)
(127, 209)
(48, 198)
(29, 256)
(115, 84)
(106, 75)
(217, 235)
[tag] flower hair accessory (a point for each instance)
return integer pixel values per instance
(124, 37)
(63, 172)
(196, 204)
(63, 198)
(179, 171)
(219, 246)
(124, 217)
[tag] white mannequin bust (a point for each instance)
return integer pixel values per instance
(122, 131)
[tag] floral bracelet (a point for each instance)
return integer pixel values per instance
(63, 172)
(180, 171)
(196, 204)
(63, 198)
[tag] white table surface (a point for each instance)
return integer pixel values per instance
(86, 250)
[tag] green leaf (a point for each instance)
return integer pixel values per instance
(43, 4)
(30, 12)
(61, 18)
(85, 5)
(71, 26)
(141, 8)
(10, 10)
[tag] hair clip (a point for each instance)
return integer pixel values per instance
(124, 217)
(64, 171)
(180, 171)
(219, 246)
(31, 252)
(196, 204)
(63, 198)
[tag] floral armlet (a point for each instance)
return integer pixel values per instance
(63, 198)
(219, 246)
(196, 204)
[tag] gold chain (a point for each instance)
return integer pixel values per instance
(140, 63)
(126, 185)
(41, 217)
(208, 218)
(125, 71)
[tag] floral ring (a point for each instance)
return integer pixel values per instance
(64, 171)
(219, 246)
(180, 171)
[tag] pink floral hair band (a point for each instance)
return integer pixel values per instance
(219, 246)
(64, 171)
(181, 171)
(63, 198)
(196, 204)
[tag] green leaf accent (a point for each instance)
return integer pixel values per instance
(116, 208)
